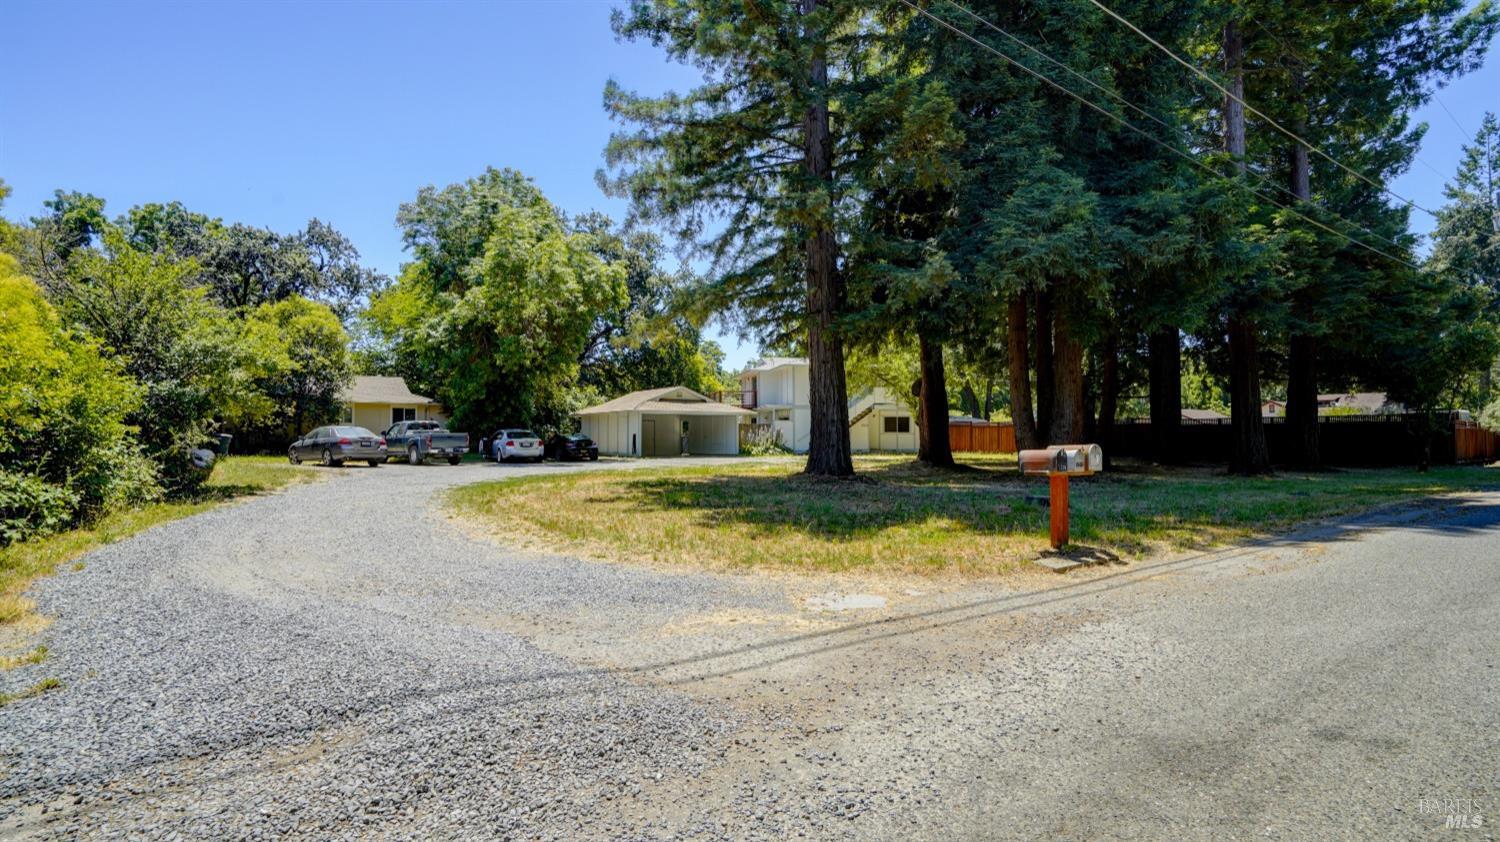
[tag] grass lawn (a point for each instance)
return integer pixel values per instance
(20, 564)
(904, 517)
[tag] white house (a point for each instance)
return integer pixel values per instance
(878, 421)
(376, 403)
(777, 390)
(664, 422)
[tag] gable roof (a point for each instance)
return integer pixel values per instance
(773, 362)
(675, 400)
(1203, 415)
(372, 389)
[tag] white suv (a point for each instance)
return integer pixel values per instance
(517, 444)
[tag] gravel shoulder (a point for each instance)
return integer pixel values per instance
(328, 662)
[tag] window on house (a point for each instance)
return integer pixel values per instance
(783, 415)
(403, 413)
(897, 424)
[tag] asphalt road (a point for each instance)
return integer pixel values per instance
(343, 660)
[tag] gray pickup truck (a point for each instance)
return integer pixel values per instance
(417, 440)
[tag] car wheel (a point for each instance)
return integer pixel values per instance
(454, 460)
(375, 463)
(327, 458)
(593, 457)
(291, 456)
(412, 457)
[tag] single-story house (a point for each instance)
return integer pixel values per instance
(1363, 403)
(1203, 416)
(674, 421)
(376, 403)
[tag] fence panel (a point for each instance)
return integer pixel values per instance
(1473, 443)
(983, 437)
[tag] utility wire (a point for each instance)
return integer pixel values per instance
(1461, 128)
(1248, 107)
(1281, 60)
(1263, 180)
(1143, 133)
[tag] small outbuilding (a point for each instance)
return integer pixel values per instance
(675, 421)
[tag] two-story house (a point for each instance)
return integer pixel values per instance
(776, 389)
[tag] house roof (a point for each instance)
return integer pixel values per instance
(1202, 415)
(673, 400)
(373, 389)
(1366, 401)
(773, 362)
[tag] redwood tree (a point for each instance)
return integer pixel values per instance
(746, 171)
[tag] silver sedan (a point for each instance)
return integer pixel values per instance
(335, 445)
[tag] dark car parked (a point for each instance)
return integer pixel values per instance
(572, 446)
(336, 445)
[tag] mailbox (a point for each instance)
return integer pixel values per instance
(1057, 463)
(1074, 460)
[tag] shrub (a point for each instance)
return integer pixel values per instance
(66, 452)
(30, 507)
(763, 440)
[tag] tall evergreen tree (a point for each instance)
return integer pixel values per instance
(1345, 80)
(749, 170)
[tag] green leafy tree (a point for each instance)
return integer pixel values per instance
(66, 451)
(243, 267)
(495, 310)
(648, 342)
(183, 349)
(301, 367)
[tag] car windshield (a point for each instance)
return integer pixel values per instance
(520, 434)
(353, 432)
(577, 437)
(423, 425)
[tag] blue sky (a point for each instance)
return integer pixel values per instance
(273, 113)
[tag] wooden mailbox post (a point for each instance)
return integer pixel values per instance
(1058, 463)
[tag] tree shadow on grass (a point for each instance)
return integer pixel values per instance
(1127, 509)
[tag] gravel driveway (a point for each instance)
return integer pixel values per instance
(341, 660)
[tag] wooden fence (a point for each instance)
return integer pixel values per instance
(1473, 443)
(982, 437)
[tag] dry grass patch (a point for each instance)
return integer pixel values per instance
(902, 517)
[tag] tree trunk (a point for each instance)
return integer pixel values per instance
(1109, 393)
(828, 452)
(933, 446)
(1164, 348)
(1041, 327)
(1249, 455)
(1067, 391)
(1302, 348)
(1018, 369)
(1302, 402)
(968, 400)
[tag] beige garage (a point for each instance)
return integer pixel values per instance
(674, 421)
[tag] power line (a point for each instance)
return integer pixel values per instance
(1248, 107)
(1126, 123)
(1461, 128)
(1262, 179)
(1289, 52)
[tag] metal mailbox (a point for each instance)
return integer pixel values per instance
(1075, 460)
(1057, 463)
